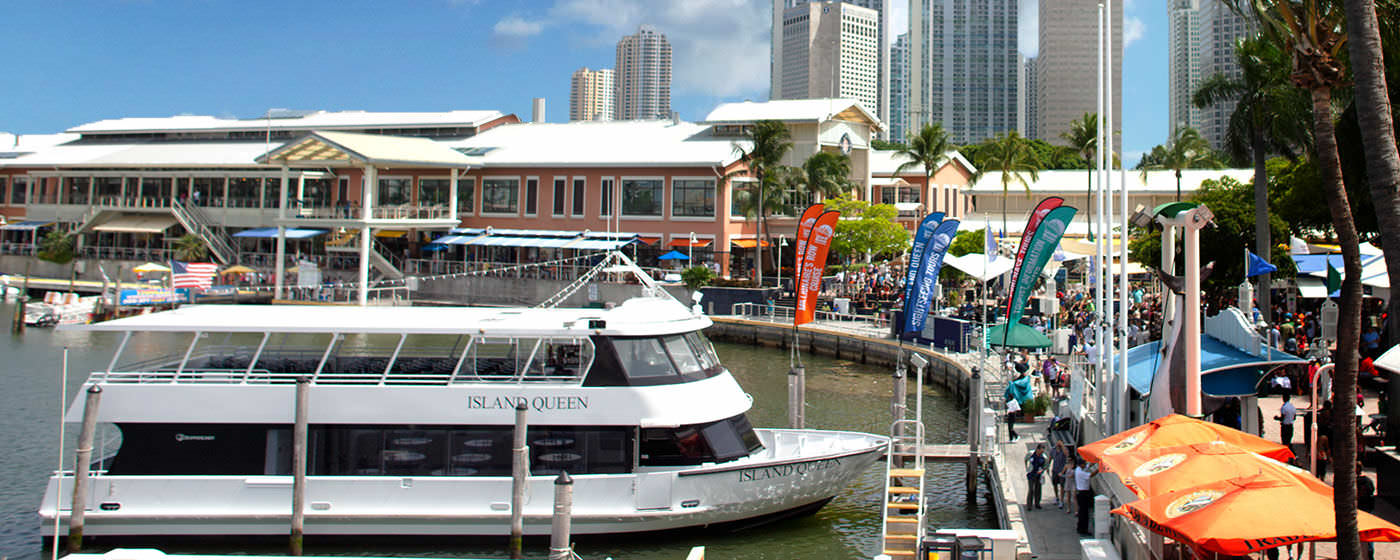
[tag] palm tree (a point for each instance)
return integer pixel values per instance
(1083, 139)
(1185, 150)
(929, 149)
(60, 248)
(1267, 112)
(191, 247)
(1012, 155)
(827, 174)
(1377, 136)
(769, 142)
(1312, 31)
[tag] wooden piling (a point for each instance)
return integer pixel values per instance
(974, 432)
(562, 520)
(519, 477)
(81, 469)
(299, 432)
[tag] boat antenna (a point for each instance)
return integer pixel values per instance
(62, 403)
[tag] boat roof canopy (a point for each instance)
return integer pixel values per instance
(635, 317)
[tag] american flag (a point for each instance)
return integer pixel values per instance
(192, 275)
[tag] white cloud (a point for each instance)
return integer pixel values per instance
(1133, 29)
(516, 26)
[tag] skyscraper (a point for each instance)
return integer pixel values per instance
(1221, 30)
(643, 75)
(830, 50)
(1183, 66)
(881, 102)
(899, 89)
(591, 95)
(1028, 99)
(1067, 66)
(963, 67)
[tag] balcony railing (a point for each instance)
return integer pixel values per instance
(392, 212)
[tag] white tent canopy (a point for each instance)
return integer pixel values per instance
(973, 265)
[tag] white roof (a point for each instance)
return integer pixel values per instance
(353, 148)
(788, 110)
(1074, 181)
(28, 143)
(323, 120)
(145, 154)
(637, 316)
(884, 162)
(651, 143)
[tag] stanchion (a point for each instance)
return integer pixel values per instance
(299, 429)
(559, 548)
(80, 469)
(519, 477)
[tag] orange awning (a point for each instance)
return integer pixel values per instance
(746, 243)
(650, 239)
(688, 243)
(1174, 430)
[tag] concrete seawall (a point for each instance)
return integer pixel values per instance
(942, 370)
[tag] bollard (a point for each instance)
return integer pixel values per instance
(974, 432)
(559, 548)
(1101, 507)
(519, 476)
(299, 428)
(81, 464)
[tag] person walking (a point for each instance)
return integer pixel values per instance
(1059, 460)
(1035, 476)
(1286, 415)
(1365, 501)
(1083, 495)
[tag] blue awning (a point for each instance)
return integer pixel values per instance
(1318, 263)
(598, 244)
(292, 233)
(30, 225)
(1224, 368)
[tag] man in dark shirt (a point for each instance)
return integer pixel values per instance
(1035, 476)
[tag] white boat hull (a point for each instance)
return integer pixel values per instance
(797, 469)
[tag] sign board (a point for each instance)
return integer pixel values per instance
(1076, 392)
(308, 274)
(151, 296)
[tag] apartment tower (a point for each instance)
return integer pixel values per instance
(830, 50)
(851, 62)
(1183, 62)
(1221, 30)
(643, 76)
(898, 123)
(964, 70)
(591, 95)
(1067, 66)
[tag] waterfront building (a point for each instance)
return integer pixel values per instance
(1221, 30)
(899, 89)
(1071, 184)
(912, 195)
(964, 69)
(1067, 69)
(808, 55)
(591, 94)
(130, 186)
(643, 76)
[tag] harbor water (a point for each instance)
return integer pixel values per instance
(841, 395)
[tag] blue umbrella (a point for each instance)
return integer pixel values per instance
(673, 255)
(434, 247)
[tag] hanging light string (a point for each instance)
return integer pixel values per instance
(403, 282)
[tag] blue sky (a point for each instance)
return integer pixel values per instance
(77, 61)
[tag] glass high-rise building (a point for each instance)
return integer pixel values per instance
(899, 89)
(643, 75)
(853, 59)
(964, 69)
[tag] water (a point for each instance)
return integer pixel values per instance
(841, 395)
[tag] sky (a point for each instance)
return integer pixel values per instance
(78, 61)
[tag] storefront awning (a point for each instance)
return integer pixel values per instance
(689, 243)
(391, 233)
(1311, 288)
(292, 233)
(30, 225)
(137, 224)
(745, 243)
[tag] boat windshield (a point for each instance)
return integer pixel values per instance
(653, 360)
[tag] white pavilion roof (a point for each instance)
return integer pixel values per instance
(318, 120)
(649, 143)
(1075, 181)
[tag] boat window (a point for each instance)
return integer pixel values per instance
(484, 451)
(719, 441)
(703, 349)
(184, 449)
(643, 359)
(497, 358)
(565, 358)
(684, 357)
(427, 358)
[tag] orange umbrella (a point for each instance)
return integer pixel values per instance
(1163, 469)
(1175, 429)
(1248, 514)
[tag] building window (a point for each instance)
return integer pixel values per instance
(75, 190)
(559, 197)
(19, 190)
(532, 196)
(693, 197)
(579, 188)
(500, 196)
(242, 192)
(432, 192)
(393, 192)
(641, 197)
(270, 192)
(109, 190)
(605, 196)
(466, 195)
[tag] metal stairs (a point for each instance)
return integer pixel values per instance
(195, 221)
(379, 260)
(902, 522)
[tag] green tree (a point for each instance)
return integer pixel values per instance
(827, 174)
(191, 247)
(1185, 150)
(1083, 138)
(1313, 32)
(697, 277)
(867, 229)
(927, 149)
(1013, 156)
(1267, 112)
(768, 143)
(60, 248)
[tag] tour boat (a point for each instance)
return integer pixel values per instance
(411, 413)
